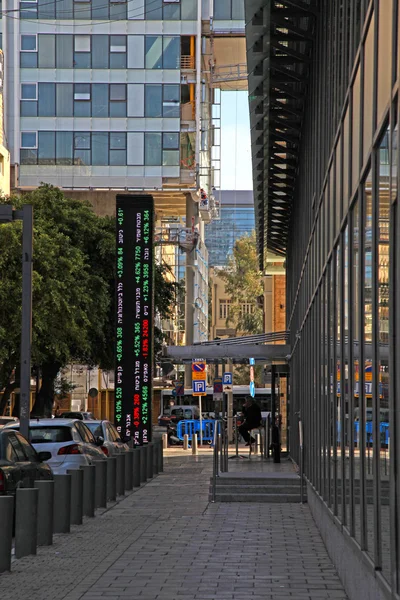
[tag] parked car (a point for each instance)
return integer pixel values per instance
(77, 414)
(69, 441)
(5, 420)
(112, 442)
(20, 464)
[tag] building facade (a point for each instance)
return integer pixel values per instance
(325, 164)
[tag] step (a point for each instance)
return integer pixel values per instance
(257, 489)
(257, 481)
(272, 498)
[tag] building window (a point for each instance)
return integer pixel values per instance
(117, 51)
(171, 101)
(224, 309)
(152, 149)
(28, 148)
(28, 57)
(74, 9)
(28, 9)
(82, 52)
(170, 155)
(117, 100)
(82, 149)
(162, 52)
(167, 10)
(161, 149)
(117, 149)
(228, 10)
(29, 100)
(82, 98)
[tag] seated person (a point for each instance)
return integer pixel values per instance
(252, 419)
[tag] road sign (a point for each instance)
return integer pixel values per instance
(199, 387)
(252, 385)
(218, 386)
(227, 378)
(179, 388)
(228, 388)
(197, 376)
(199, 367)
(218, 397)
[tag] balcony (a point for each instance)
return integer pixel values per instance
(187, 63)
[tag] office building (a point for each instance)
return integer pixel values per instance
(324, 101)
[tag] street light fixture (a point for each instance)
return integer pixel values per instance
(8, 214)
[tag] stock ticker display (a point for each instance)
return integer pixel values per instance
(134, 306)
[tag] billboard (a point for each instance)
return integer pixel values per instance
(134, 316)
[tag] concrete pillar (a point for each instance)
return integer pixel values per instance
(112, 479)
(186, 442)
(26, 509)
(129, 469)
(120, 474)
(136, 467)
(143, 464)
(76, 512)
(6, 528)
(101, 483)
(192, 213)
(161, 458)
(165, 441)
(156, 456)
(62, 503)
(150, 459)
(89, 491)
(194, 445)
(45, 512)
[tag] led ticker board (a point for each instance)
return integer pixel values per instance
(135, 316)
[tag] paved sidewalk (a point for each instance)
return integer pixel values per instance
(166, 542)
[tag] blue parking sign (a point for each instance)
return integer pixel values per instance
(227, 379)
(199, 387)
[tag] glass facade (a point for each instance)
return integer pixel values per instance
(343, 285)
(236, 221)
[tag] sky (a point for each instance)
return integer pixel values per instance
(235, 142)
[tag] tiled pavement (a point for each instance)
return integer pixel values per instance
(166, 542)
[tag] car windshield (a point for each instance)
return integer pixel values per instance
(95, 428)
(49, 435)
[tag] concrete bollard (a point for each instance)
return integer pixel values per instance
(76, 512)
(150, 459)
(194, 445)
(45, 512)
(136, 467)
(129, 469)
(89, 490)
(112, 479)
(186, 442)
(257, 444)
(161, 458)
(101, 484)
(156, 457)
(143, 464)
(62, 504)
(120, 474)
(26, 509)
(6, 528)
(165, 440)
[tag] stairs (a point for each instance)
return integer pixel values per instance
(253, 487)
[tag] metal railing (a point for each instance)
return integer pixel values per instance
(187, 62)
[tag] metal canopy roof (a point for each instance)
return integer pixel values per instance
(279, 37)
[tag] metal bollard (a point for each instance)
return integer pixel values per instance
(120, 474)
(76, 512)
(6, 528)
(62, 503)
(186, 442)
(257, 444)
(89, 489)
(45, 512)
(112, 479)
(143, 464)
(156, 457)
(165, 440)
(101, 483)
(136, 467)
(161, 458)
(26, 508)
(194, 445)
(129, 469)
(150, 459)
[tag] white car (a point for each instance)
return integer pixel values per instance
(70, 442)
(112, 444)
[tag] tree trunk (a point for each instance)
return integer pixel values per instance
(45, 398)
(9, 387)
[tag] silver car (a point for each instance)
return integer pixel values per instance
(70, 442)
(112, 442)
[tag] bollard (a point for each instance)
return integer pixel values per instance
(6, 528)
(89, 491)
(156, 457)
(101, 483)
(150, 459)
(45, 512)
(186, 442)
(136, 467)
(120, 474)
(257, 444)
(76, 512)
(112, 479)
(161, 457)
(129, 469)
(62, 504)
(165, 440)
(26, 509)
(143, 464)
(194, 445)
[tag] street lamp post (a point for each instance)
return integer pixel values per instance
(7, 214)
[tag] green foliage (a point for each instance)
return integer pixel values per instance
(244, 286)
